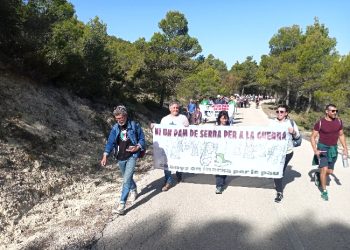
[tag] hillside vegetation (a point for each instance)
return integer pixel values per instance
(53, 191)
(302, 69)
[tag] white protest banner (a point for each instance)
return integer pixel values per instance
(254, 151)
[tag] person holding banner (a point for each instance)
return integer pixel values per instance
(282, 119)
(127, 139)
(174, 118)
(222, 120)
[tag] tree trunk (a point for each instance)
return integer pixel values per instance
(162, 95)
(287, 95)
(277, 98)
(242, 92)
(297, 100)
(309, 103)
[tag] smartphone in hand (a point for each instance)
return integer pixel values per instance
(130, 148)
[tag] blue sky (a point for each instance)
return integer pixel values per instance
(230, 30)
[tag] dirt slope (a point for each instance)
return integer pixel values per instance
(53, 192)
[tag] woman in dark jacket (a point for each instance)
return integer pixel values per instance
(222, 120)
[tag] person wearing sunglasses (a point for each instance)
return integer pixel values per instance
(283, 120)
(328, 130)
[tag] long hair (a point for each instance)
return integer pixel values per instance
(223, 113)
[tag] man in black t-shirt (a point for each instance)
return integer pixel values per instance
(123, 143)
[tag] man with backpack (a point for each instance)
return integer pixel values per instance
(128, 140)
(329, 129)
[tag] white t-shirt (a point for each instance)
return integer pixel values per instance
(179, 120)
(287, 124)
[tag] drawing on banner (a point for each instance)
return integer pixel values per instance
(195, 150)
(211, 156)
(273, 154)
(270, 155)
(249, 150)
(208, 154)
(220, 160)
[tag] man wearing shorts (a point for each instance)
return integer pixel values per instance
(329, 129)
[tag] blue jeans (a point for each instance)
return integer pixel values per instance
(127, 168)
(220, 180)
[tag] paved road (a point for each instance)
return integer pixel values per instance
(192, 216)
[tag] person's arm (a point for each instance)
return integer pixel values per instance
(141, 136)
(295, 132)
(313, 138)
(343, 142)
(104, 160)
(185, 121)
(200, 117)
(109, 146)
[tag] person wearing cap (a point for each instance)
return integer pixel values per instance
(217, 100)
(127, 139)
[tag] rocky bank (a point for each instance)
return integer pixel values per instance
(54, 194)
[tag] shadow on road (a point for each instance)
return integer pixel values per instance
(335, 178)
(227, 234)
(290, 176)
(147, 193)
(154, 188)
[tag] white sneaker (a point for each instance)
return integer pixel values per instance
(133, 195)
(120, 209)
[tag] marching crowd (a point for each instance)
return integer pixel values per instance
(196, 116)
(127, 141)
